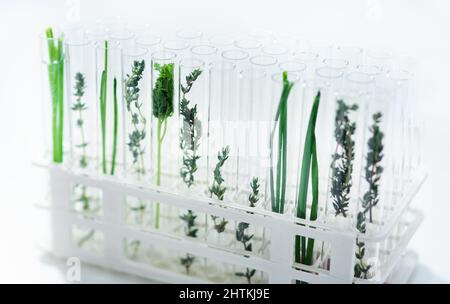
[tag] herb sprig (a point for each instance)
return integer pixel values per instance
(254, 196)
(361, 268)
(190, 133)
(79, 106)
(373, 171)
(218, 189)
(190, 230)
(342, 164)
(162, 109)
(138, 120)
(242, 236)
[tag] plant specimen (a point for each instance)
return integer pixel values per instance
(218, 189)
(116, 126)
(241, 234)
(309, 167)
(373, 171)
(361, 269)
(103, 95)
(84, 200)
(162, 110)
(134, 106)
(85, 238)
(278, 186)
(191, 132)
(248, 274)
(103, 108)
(79, 106)
(134, 245)
(342, 164)
(254, 196)
(190, 230)
(56, 81)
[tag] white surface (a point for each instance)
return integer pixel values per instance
(417, 27)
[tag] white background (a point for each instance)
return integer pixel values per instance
(416, 27)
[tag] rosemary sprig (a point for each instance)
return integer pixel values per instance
(303, 251)
(361, 268)
(278, 186)
(248, 274)
(342, 164)
(162, 110)
(254, 197)
(191, 132)
(373, 169)
(134, 106)
(187, 262)
(241, 234)
(190, 230)
(218, 189)
(244, 238)
(56, 81)
(85, 200)
(79, 106)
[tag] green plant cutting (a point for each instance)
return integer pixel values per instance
(309, 168)
(163, 93)
(56, 81)
(278, 182)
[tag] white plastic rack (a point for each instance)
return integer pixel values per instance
(108, 248)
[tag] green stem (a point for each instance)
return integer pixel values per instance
(114, 152)
(60, 79)
(315, 201)
(308, 154)
(160, 138)
(103, 96)
(56, 78)
(86, 238)
(278, 187)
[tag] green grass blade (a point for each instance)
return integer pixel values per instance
(305, 172)
(278, 185)
(103, 96)
(56, 83)
(315, 200)
(114, 147)
(60, 79)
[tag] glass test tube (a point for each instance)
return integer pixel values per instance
(108, 73)
(82, 104)
(347, 157)
(136, 107)
(53, 90)
(249, 45)
(193, 115)
(223, 100)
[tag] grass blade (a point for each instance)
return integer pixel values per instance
(114, 147)
(278, 186)
(103, 96)
(56, 82)
(308, 154)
